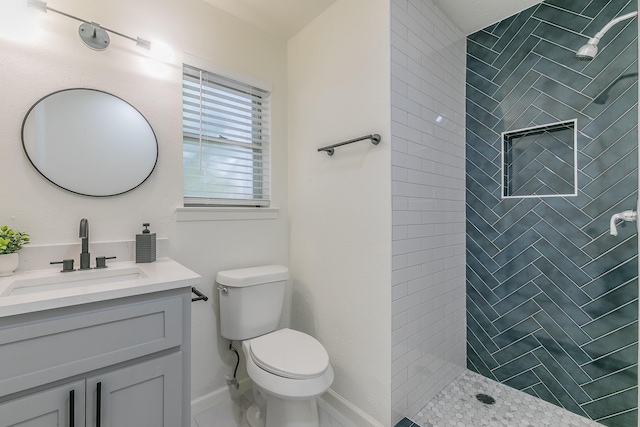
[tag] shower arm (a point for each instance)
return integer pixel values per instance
(595, 39)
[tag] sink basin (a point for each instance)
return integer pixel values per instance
(57, 281)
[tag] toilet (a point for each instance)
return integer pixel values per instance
(289, 369)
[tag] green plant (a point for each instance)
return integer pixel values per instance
(11, 240)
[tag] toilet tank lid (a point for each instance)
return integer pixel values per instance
(253, 275)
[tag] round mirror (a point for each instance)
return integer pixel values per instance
(89, 142)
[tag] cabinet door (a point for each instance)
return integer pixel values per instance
(147, 394)
(56, 407)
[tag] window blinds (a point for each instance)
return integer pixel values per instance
(225, 141)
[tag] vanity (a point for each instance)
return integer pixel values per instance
(102, 348)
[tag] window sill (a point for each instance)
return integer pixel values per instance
(184, 214)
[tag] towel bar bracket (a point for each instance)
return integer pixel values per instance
(200, 295)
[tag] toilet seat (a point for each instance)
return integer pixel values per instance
(285, 388)
(290, 354)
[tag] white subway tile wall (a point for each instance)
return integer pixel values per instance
(428, 189)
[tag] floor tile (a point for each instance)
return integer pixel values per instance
(457, 406)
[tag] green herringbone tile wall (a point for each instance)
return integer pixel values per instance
(552, 298)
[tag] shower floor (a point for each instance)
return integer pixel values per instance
(457, 406)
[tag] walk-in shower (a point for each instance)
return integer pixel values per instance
(551, 294)
(590, 50)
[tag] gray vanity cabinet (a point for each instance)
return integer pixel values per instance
(47, 408)
(127, 359)
(141, 395)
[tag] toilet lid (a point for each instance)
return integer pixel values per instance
(290, 354)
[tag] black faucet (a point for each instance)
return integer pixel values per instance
(85, 256)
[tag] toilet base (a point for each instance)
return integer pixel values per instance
(291, 412)
(297, 413)
(255, 417)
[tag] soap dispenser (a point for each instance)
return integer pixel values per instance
(146, 245)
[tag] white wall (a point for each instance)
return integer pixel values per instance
(428, 158)
(41, 53)
(340, 206)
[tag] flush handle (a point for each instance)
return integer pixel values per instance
(223, 289)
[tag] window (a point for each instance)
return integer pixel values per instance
(225, 141)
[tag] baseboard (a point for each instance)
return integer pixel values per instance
(345, 411)
(216, 397)
(336, 406)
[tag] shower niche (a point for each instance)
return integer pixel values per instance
(540, 161)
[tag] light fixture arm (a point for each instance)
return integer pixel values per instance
(42, 6)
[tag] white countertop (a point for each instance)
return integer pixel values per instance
(130, 279)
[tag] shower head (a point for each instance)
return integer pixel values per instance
(589, 50)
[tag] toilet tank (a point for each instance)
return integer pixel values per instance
(251, 300)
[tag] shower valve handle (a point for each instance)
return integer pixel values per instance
(623, 216)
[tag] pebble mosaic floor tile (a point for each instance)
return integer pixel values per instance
(457, 406)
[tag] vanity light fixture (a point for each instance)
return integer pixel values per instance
(92, 34)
